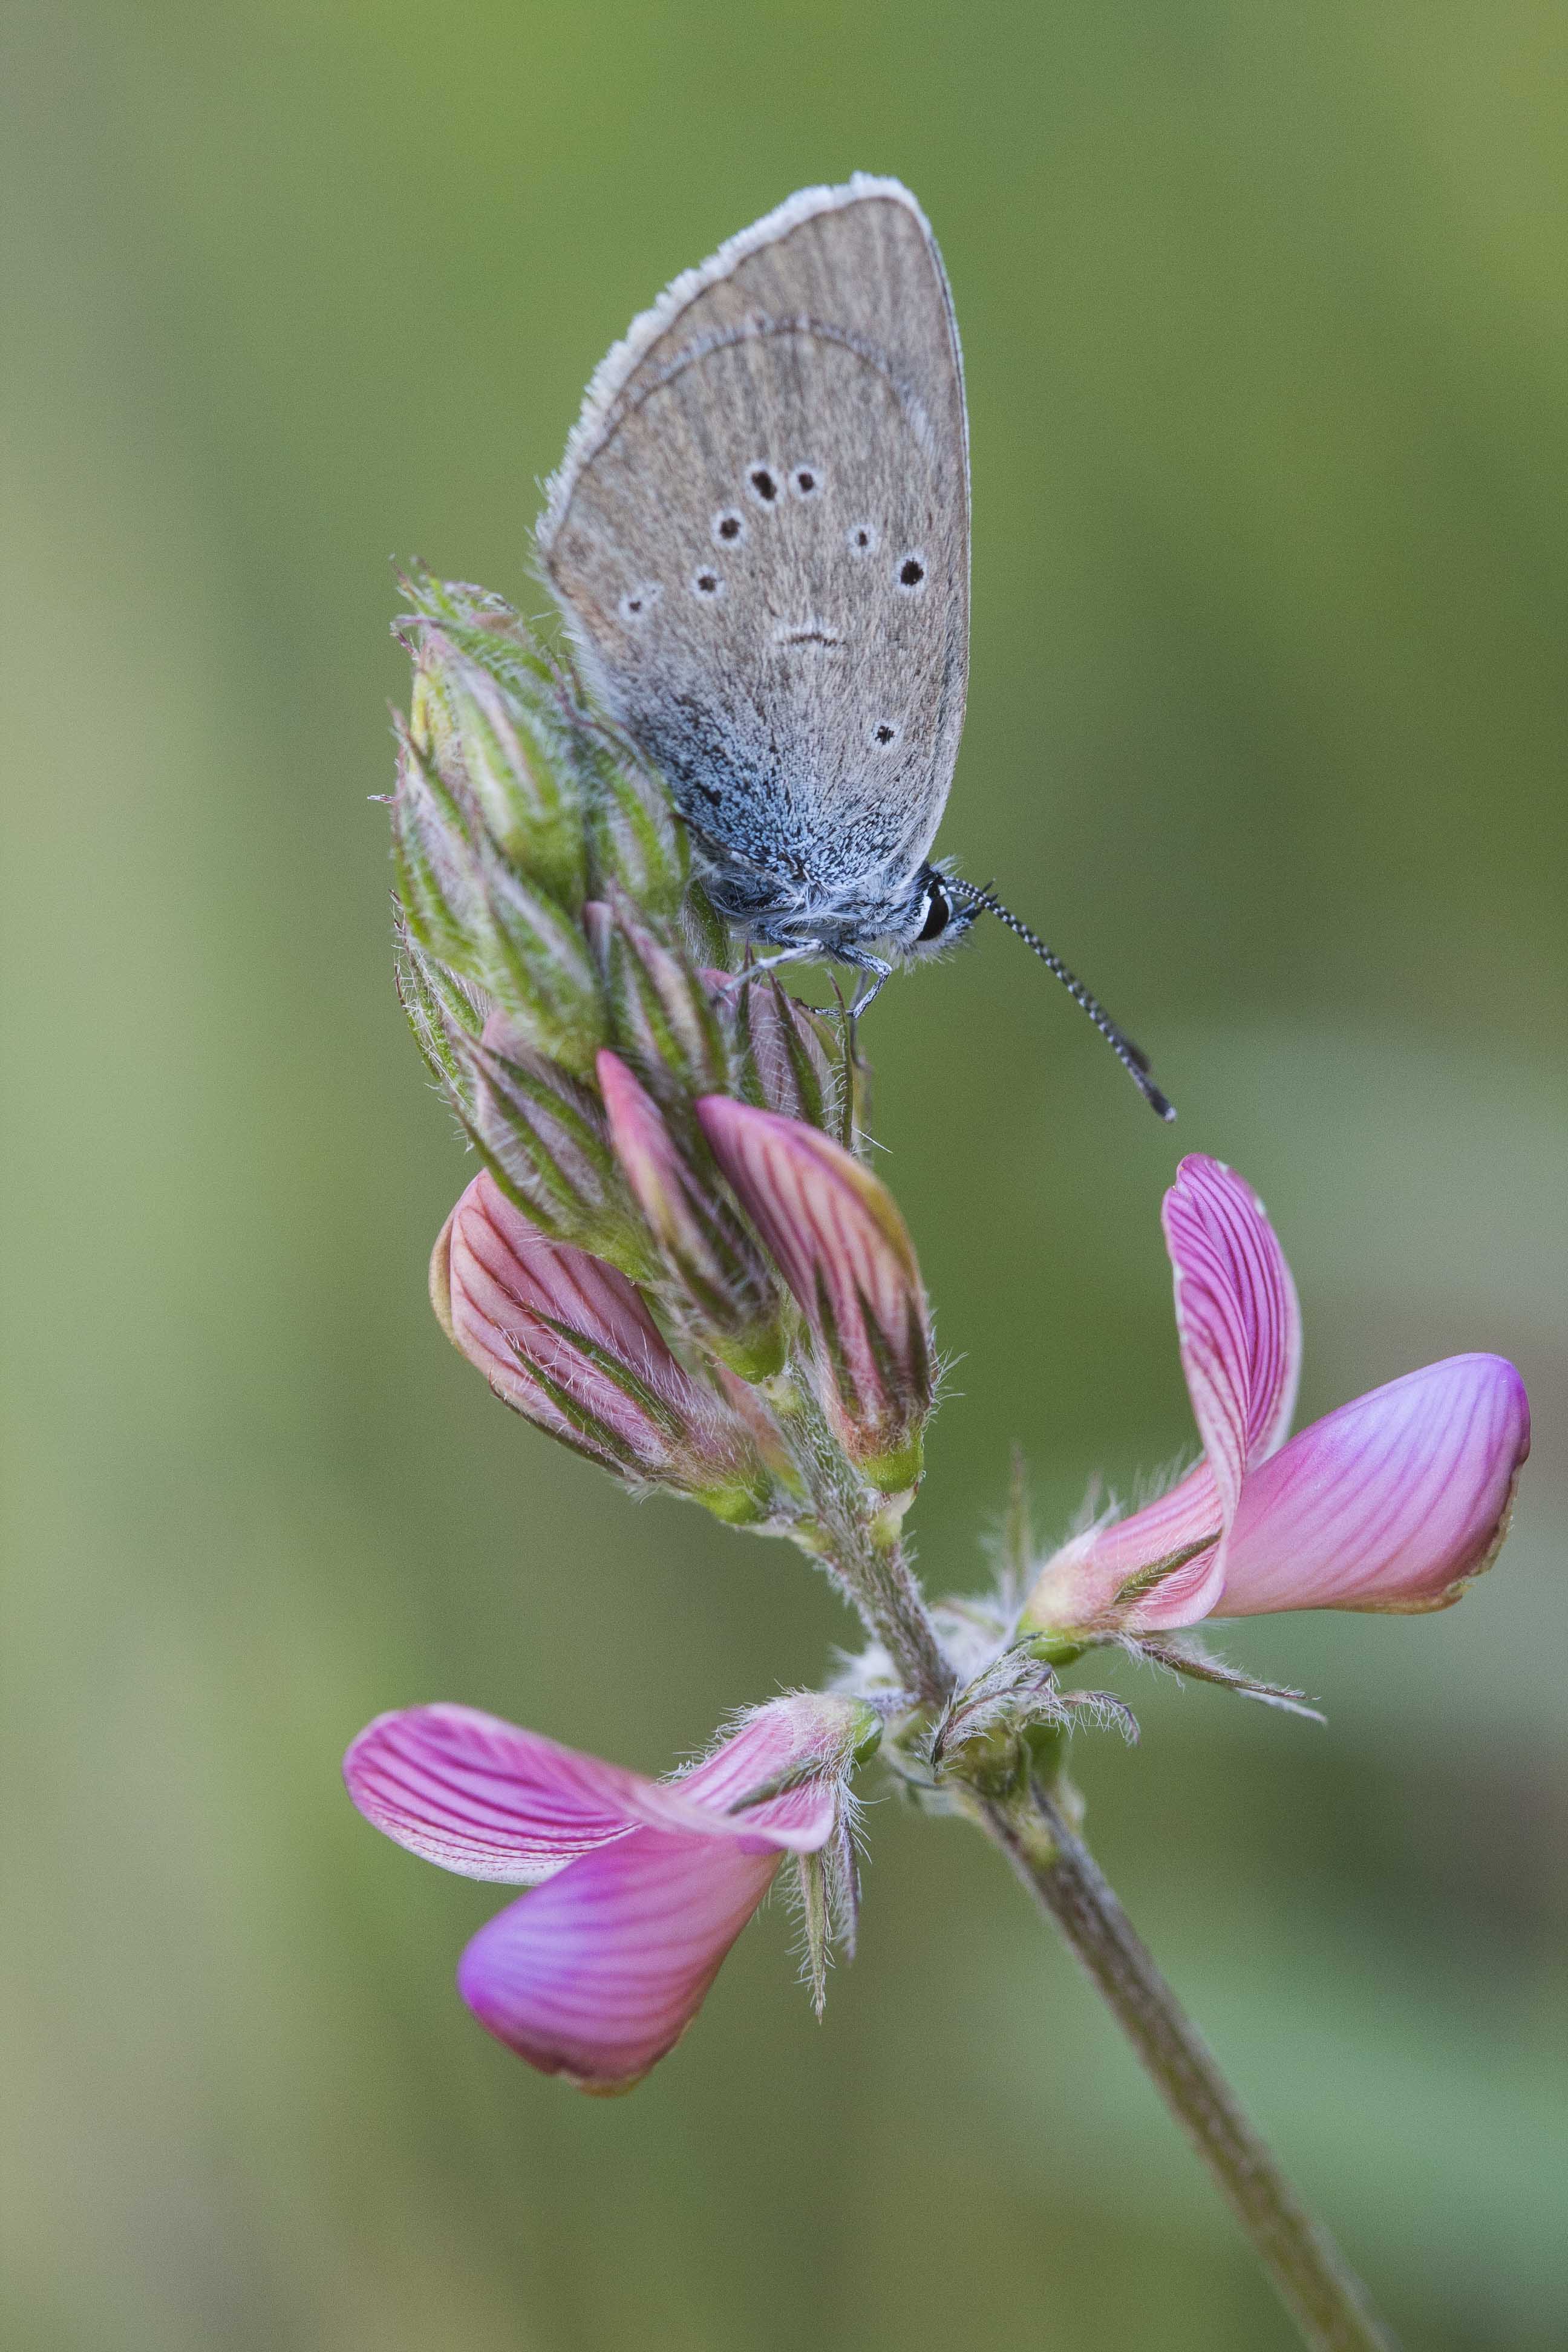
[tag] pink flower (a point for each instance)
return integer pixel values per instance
(568, 1343)
(836, 1237)
(1394, 1502)
(646, 1883)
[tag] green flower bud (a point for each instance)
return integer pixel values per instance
(512, 755)
(792, 1057)
(466, 907)
(663, 1017)
(637, 842)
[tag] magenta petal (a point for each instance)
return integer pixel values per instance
(503, 1267)
(543, 1322)
(599, 1972)
(491, 1800)
(1236, 1317)
(1392, 1502)
(483, 1798)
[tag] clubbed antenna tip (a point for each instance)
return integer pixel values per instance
(1132, 1058)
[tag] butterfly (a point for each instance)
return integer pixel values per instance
(759, 540)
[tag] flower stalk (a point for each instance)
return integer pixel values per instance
(854, 1534)
(1324, 2297)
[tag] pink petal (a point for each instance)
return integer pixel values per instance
(728, 1292)
(823, 1217)
(1237, 1318)
(795, 1074)
(1392, 1502)
(491, 1800)
(599, 1972)
(505, 1276)
(482, 1797)
(809, 1737)
(534, 1314)
(1088, 1582)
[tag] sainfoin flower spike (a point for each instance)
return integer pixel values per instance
(646, 1883)
(835, 1232)
(669, 1266)
(568, 1343)
(1394, 1502)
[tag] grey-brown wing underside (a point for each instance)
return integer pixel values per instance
(760, 539)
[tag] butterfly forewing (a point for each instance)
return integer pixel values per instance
(761, 539)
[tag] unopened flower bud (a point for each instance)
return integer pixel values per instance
(443, 1011)
(439, 892)
(836, 1237)
(543, 1135)
(791, 1054)
(467, 907)
(482, 625)
(538, 1130)
(637, 842)
(662, 1017)
(512, 754)
(707, 934)
(568, 1343)
(724, 1290)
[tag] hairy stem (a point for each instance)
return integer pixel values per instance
(853, 1536)
(1319, 2289)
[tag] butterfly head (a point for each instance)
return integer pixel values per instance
(934, 915)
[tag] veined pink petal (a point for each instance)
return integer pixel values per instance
(1237, 1318)
(727, 1288)
(794, 1073)
(566, 1341)
(816, 1199)
(646, 1883)
(1392, 1502)
(508, 1280)
(489, 1800)
(808, 1729)
(598, 1973)
(808, 1734)
(482, 1797)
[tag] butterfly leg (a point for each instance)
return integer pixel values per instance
(771, 963)
(874, 977)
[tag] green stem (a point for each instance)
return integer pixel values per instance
(853, 1536)
(1316, 2284)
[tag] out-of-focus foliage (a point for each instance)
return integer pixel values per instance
(1267, 360)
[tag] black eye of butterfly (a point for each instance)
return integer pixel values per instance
(939, 914)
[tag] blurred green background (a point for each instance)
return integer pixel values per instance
(1268, 349)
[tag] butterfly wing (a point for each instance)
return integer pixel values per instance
(760, 537)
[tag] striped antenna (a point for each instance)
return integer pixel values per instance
(1134, 1060)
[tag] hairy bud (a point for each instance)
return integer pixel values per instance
(512, 756)
(792, 1055)
(467, 907)
(837, 1238)
(724, 1292)
(662, 1017)
(569, 1343)
(637, 842)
